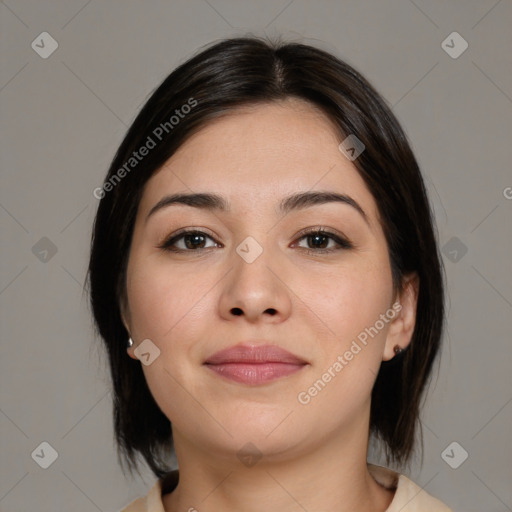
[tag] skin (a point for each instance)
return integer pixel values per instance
(313, 456)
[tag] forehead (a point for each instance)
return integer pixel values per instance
(257, 154)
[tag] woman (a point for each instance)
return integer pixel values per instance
(265, 276)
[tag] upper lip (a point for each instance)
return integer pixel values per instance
(256, 354)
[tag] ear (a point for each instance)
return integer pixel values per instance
(402, 326)
(126, 319)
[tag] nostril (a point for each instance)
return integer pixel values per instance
(238, 311)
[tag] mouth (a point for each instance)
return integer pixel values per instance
(253, 365)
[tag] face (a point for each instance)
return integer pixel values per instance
(252, 275)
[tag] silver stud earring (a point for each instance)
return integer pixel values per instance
(130, 342)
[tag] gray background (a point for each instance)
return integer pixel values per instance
(62, 120)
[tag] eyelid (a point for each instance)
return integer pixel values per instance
(322, 229)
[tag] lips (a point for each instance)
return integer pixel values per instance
(249, 364)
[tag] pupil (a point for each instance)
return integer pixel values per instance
(192, 237)
(316, 237)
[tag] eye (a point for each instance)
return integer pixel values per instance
(193, 241)
(320, 238)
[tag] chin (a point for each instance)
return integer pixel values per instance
(274, 435)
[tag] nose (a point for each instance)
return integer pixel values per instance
(257, 291)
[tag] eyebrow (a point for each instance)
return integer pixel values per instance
(299, 201)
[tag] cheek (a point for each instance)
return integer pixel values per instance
(355, 308)
(162, 299)
(349, 300)
(168, 307)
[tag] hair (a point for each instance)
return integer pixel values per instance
(219, 79)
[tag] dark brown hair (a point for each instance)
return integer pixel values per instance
(247, 71)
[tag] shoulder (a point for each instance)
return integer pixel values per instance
(153, 502)
(139, 505)
(147, 503)
(409, 497)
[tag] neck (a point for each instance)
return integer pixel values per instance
(331, 476)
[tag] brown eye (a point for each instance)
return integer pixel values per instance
(192, 241)
(319, 239)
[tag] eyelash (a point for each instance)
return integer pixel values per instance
(342, 242)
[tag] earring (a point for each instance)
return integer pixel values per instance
(398, 349)
(130, 342)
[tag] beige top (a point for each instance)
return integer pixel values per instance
(409, 497)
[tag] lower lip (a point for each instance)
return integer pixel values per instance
(260, 373)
